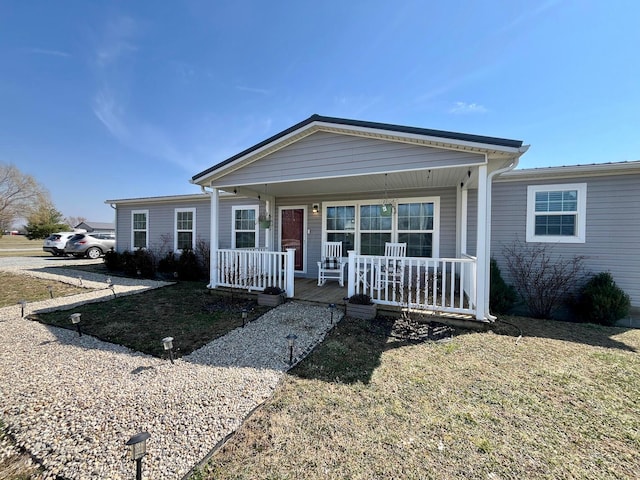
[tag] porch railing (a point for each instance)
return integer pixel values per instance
(256, 269)
(434, 284)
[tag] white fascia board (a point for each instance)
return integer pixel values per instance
(592, 170)
(163, 199)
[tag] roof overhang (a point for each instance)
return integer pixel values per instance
(490, 148)
(591, 170)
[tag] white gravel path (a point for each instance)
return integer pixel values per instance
(73, 402)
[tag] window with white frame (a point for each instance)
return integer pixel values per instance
(365, 227)
(185, 229)
(139, 229)
(245, 227)
(557, 213)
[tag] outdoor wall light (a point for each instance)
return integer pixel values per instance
(75, 319)
(50, 288)
(138, 449)
(167, 342)
(292, 341)
(315, 208)
(332, 308)
(245, 314)
(23, 304)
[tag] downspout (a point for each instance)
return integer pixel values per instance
(510, 166)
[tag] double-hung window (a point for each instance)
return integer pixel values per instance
(556, 213)
(139, 229)
(185, 228)
(245, 227)
(365, 226)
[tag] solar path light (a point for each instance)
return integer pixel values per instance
(111, 286)
(75, 319)
(23, 304)
(245, 314)
(50, 288)
(332, 308)
(292, 341)
(167, 342)
(138, 449)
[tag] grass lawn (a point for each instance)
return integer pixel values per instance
(187, 311)
(562, 403)
(21, 242)
(14, 288)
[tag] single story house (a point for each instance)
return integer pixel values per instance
(452, 199)
(98, 227)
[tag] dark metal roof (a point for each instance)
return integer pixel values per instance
(501, 142)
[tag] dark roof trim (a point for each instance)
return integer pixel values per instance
(502, 142)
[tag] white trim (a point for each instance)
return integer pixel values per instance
(305, 231)
(581, 213)
(593, 170)
(435, 247)
(146, 230)
(234, 209)
(176, 231)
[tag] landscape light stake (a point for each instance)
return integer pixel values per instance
(75, 319)
(244, 316)
(292, 340)
(138, 444)
(111, 286)
(50, 288)
(22, 303)
(332, 308)
(80, 280)
(168, 345)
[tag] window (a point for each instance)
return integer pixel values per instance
(245, 227)
(184, 238)
(556, 213)
(364, 227)
(140, 229)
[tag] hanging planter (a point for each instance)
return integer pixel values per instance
(386, 210)
(266, 223)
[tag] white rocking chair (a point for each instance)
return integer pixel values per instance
(391, 272)
(331, 266)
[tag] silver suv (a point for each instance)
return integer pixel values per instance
(92, 245)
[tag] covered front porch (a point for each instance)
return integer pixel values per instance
(363, 185)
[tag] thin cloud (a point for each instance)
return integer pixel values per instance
(261, 91)
(117, 41)
(44, 51)
(463, 107)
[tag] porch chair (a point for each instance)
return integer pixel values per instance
(392, 269)
(331, 266)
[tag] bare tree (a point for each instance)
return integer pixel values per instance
(74, 221)
(19, 194)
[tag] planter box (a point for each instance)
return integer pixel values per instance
(267, 300)
(364, 312)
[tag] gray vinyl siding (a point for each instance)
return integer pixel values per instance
(612, 225)
(327, 155)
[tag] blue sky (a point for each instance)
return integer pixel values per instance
(103, 100)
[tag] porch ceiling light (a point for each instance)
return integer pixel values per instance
(167, 342)
(75, 320)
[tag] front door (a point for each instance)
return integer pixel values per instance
(292, 233)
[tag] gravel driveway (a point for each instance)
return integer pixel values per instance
(73, 402)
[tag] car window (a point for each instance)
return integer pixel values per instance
(76, 237)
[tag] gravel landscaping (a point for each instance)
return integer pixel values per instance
(72, 402)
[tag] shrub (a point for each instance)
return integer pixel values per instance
(360, 299)
(602, 301)
(502, 295)
(272, 290)
(113, 260)
(168, 264)
(188, 267)
(140, 263)
(542, 279)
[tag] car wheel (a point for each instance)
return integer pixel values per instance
(94, 252)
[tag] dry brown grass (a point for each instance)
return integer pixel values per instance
(562, 403)
(14, 288)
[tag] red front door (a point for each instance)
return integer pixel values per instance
(292, 233)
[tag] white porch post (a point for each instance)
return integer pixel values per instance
(462, 207)
(213, 243)
(481, 246)
(351, 274)
(291, 262)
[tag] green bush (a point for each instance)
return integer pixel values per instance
(138, 264)
(502, 296)
(168, 264)
(602, 301)
(113, 261)
(360, 299)
(188, 266)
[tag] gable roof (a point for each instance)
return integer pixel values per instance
(398, 129)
